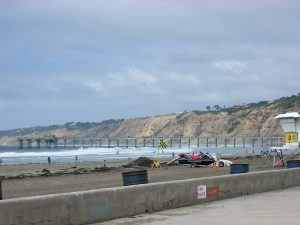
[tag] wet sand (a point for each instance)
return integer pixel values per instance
(41, 179)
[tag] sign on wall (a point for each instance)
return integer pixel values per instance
(201, 191)
(213, 191)
(291, 137)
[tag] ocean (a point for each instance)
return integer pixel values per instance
(13, 155)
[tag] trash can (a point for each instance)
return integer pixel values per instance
(0, 191)
(239, 168)
(293, 163)
(135, 177)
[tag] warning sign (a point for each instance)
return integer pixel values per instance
(201, 191)
(162, 144)
(291, 137)
(213, 191)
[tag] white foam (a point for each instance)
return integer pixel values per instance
(98, 154)
(93, 151)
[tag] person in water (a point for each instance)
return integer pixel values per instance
(49, 160)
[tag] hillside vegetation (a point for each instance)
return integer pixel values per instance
(253, 119)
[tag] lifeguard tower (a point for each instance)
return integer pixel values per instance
(290, 123)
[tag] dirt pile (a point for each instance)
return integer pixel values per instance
(140, 162)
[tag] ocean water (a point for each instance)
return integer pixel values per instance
(12, 155)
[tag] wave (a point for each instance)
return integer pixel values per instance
(92, 151)
(97, 154)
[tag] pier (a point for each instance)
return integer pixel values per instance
(152, 142)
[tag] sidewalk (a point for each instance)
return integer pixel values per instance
(270, 208)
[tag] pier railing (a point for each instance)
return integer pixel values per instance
(152, 142)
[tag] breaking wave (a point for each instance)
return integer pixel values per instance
(26, 156)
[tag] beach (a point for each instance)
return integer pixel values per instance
(42, 179)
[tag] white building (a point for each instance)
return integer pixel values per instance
(290, 123)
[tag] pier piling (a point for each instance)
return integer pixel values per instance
(21, 143)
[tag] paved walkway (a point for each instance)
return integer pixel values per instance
(270, 208)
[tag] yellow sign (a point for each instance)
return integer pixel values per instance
(156, 164)
(162, 144)
(291, 137)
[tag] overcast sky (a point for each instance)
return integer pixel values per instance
(79, 60)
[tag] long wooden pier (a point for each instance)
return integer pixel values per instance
(153, 142)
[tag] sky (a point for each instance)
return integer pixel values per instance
(93, 60)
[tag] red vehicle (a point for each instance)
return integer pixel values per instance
(201, 159)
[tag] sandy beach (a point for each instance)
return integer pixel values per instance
(41, 179)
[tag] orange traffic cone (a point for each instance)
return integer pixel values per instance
(151, 168)
(214, 165)
(277, 164)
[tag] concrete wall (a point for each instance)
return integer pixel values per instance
(105, 204)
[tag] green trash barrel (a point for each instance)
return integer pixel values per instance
(0, 191)
(293, 163)
(239, 168)
(135, 177)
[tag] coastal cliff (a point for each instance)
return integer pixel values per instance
(254, 119)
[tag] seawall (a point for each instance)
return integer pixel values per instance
(104, 204)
